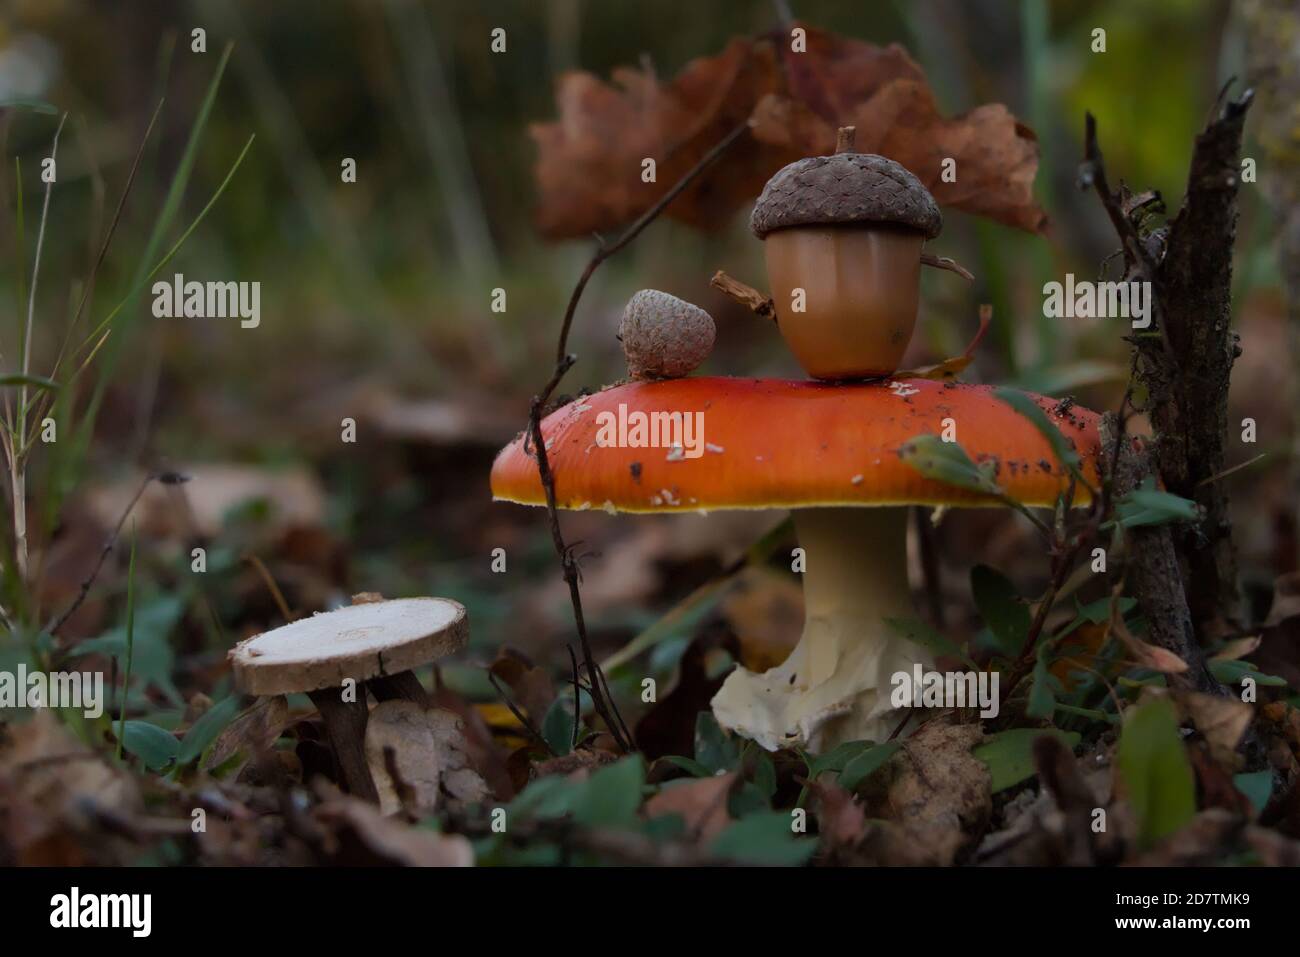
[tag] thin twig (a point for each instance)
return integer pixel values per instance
(606, 709)
(265, 574)
(520, 716)
(745, 294)
(53, 627)
(577, 697)
(1231, 469)
(948, 263)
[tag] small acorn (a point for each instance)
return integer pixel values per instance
(664, 337)
(843, 237)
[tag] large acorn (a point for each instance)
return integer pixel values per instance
(842, 236)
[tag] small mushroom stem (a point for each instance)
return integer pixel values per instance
(844, 138)
(345, 727)
(402, 685)
(835, 686)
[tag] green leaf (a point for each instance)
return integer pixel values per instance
(1155, 769)
(1042, 699)
(152, 654)
(150, 743)
(1147, 505)
(689, 765)
(714, 748)
(1092, 714)
(765, 775)
(28, 103)
(558, 725)
(836, 758)
(862, 767)
(612, 795)
(32, 381)
(1027, 407)
(205, 730)
(130, 647)
(764, 839)
(1233, 671)
(551, 796)
(1257, 786)
(918, 632)
(1098, 612)
(747, 800)
(948, 462)
(1006, 616)
(1009, 755)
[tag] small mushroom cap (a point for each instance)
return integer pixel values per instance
(845, 189)
(775, 443)
(358, 642)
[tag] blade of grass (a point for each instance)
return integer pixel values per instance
(171, 206)
(230, 174)
(130, 645)
(25, 342)
(18, 447)
(20, 253)
(108, 237)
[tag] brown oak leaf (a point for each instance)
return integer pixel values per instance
(590, 160)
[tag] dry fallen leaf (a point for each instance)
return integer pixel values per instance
(1146, 654)
(589, 166)
(531, 686)
(390, 840)
(841, 820)
(252, 732)
(935, 791)
(476, 746)
(1237, 648)
(460, 783)
(404, 756)
(701, 803)
(1221, 721)
(53, 789)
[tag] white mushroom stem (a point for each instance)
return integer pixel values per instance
(836, 684)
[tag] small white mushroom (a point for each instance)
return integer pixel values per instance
(372, 644)
(664, 337)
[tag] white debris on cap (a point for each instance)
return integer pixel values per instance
(664, 337)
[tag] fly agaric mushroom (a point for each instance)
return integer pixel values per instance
(664, 337)
(831, 453)
(374, 644)
(842, 236)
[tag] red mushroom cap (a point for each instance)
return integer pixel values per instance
(771, 443)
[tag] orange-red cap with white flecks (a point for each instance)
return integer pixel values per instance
(772, 443)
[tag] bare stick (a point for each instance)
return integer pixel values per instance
(1186, 368)
(563, 362)
(53, 627)
(948, 263)
(520, 716)
(749, 297)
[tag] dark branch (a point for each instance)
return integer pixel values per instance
(603, 704)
